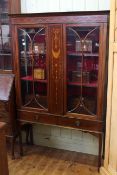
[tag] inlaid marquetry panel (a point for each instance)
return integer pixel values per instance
(56, 69)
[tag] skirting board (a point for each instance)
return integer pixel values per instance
(103, 171)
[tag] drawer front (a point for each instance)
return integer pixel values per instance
(37, 117)
(86, 125)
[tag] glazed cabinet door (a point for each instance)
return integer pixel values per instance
(85, 64)
(32, 67)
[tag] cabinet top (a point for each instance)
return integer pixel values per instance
(66, 17)
(6, 82)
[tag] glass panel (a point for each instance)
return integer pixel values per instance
(82, 69)
(32, 52)
(4, 6)
(4, 11)
(5, 39)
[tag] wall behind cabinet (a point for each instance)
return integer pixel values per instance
(36, 6)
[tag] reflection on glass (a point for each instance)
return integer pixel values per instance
(32, 52)
(82, 69)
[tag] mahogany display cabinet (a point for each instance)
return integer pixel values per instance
(60, 67)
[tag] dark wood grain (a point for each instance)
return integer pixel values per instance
(3, 151)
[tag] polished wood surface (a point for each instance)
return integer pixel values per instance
(48, 161)
(3, 151)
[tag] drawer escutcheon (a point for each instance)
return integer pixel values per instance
(77, 123)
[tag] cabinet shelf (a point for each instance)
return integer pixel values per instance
(84, 54)
(33, 33)
(5, 37)
(4, 13)
(30, 78)
(30, 55)
(93, 84)
(5, 54)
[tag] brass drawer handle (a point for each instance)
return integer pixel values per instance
(36, 117)
(77, 123)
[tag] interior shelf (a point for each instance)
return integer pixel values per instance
(30, 78)
(27, 54)
(93, 84)
(84, 54)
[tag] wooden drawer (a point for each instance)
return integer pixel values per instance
(37, 117)
(87, 125)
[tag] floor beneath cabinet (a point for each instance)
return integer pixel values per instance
(38, 160)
